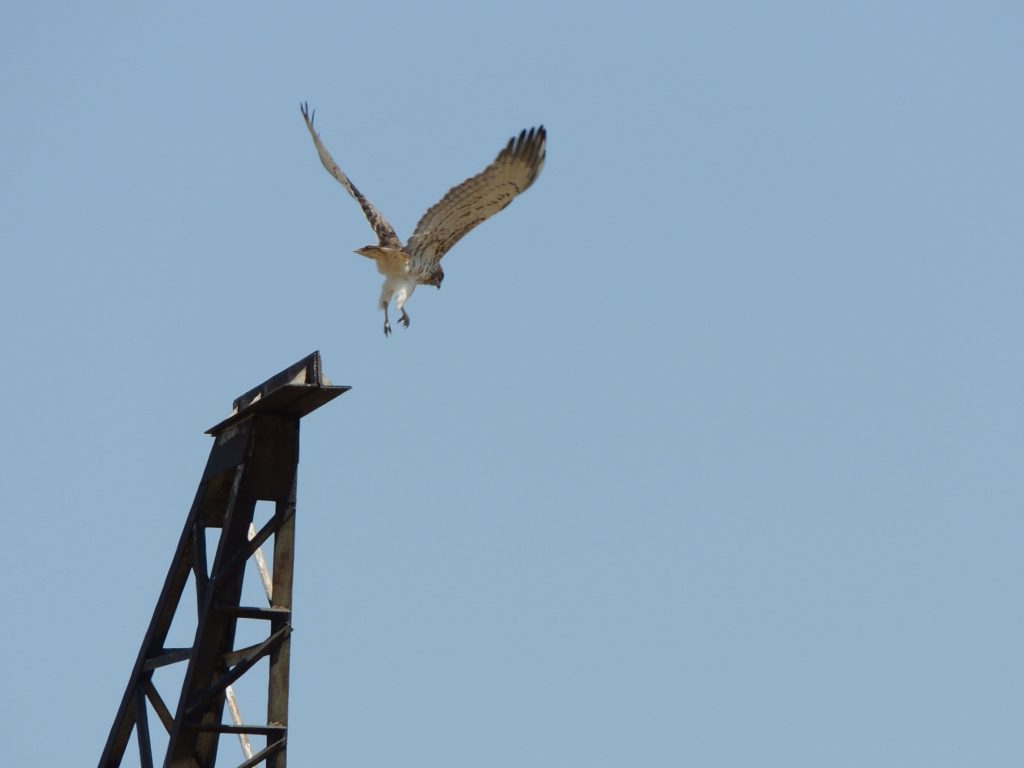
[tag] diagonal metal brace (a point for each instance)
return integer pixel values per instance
(257, 652)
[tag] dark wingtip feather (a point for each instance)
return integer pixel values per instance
(532, 149)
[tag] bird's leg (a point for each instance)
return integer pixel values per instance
(402, 296)
(387, 325)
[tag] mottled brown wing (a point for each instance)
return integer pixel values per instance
(478, 198)
(385, 232)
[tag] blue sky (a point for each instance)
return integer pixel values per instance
(707, 453)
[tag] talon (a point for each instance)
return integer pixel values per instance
(404, 319)
(387, 329)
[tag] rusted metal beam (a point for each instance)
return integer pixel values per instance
(158, 705)
(256, 730)
(280, 655)
(142, 729)
(272, 750)
(169, 656)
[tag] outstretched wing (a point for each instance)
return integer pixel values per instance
(385, 232)
(478, 198)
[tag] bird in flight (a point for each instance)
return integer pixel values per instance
(418, 262)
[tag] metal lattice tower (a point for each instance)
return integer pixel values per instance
(254, 458)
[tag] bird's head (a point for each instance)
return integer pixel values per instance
(435, 277)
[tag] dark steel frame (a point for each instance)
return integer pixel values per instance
(254, 458)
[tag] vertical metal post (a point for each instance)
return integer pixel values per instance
(280, 657)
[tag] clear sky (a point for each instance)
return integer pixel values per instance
(707, 453)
